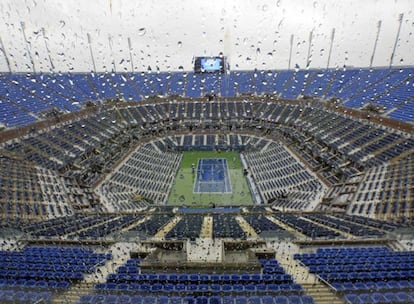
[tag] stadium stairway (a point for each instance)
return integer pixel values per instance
(170, 225)
(207, 227)
(312, 286)
(284, 226)
(73, 294)
(401, 156)
(119, 258)
(135, 224)
(345, 234)
(321, 293)
(246, 227)
(74, 233)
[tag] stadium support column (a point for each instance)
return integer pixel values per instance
(3, 50)
(52, 67)
(130, 54)
(330, 47)
(292, 37)
(112, 53)
(375, 43)
(27, 46)
(400, 19)
(90, 49)
(308, 58)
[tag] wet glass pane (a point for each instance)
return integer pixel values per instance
(188, 152)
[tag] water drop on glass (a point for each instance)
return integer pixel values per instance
(142, 31)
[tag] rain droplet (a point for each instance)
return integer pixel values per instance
(179, 44)
(62, 23)
(297, 67)
(265, 7)
(142, 31)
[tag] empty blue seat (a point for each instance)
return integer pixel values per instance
(307, 300)
(156, 287)
(194, 278)
(122, 287)
(145, 287)
(254, 300)
(149, 300)
(293, 299)
(216, 300)
(204, 278)
(163, 300)
(179, 287)
(268, 300)
(203, 287)
(137, 299)
(183, 278)
(111, 299)
(215, 288)
(214, 278)
(261, 287)
(365, 298)
(125, 299)
(176, 300)
(273, 287)
(234, 278)
(403, 297)
(202, 300)
(168, 287)
(189, 300)
(389, 297)
(240, 300)
(352, 299)
(238, 288)
(377, 298)
(192, 287)
(86, 299)
(226, 288)
(250, 288)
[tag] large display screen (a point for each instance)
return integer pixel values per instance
(209, 64)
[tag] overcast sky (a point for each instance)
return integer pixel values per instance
(167, 34)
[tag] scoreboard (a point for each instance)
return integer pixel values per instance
(215, 64)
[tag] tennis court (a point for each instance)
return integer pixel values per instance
(212, 176)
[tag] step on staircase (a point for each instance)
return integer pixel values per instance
(321, 294)
(72, 295)
(86, 286)
(311, 284)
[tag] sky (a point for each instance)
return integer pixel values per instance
(52, 36)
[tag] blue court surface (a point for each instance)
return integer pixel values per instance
(212, 176)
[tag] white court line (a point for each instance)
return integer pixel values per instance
(226, 181)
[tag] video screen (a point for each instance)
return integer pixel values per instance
(209, 65)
